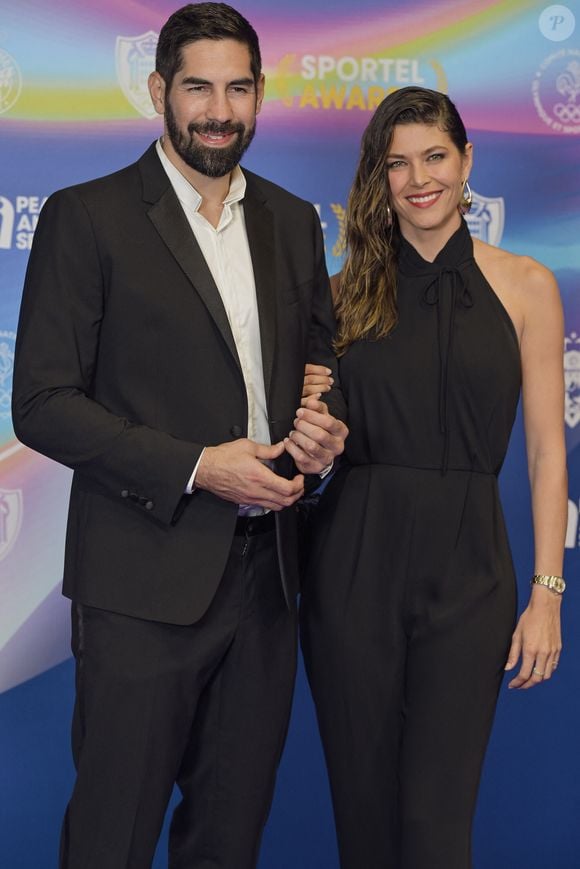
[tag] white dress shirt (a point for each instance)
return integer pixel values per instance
(227, 253)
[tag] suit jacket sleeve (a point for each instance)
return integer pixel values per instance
(57, 353)
(323, 329)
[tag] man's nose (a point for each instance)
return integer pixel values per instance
(219, 107)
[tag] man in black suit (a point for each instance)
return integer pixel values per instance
(167, 315)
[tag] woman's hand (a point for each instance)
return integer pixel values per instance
(537, 639)
(317, 379)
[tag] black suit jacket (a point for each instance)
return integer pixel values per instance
(126, 368)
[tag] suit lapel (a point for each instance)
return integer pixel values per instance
(167, 216)
(260, 228)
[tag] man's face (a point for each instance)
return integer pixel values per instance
(211, 107)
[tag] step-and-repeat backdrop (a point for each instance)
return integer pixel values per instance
(74, 105)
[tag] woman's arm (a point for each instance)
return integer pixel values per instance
(537, 636)
(317, 378)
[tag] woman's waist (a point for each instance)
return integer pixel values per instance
(353, 463)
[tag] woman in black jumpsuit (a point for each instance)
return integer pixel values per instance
(409, 603)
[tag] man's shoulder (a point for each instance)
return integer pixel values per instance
(113, 184)
(274, 194)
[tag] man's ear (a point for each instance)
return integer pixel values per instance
(260, 92)
(156, 84)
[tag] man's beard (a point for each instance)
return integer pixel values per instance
(213, 162)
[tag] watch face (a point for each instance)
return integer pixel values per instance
(559, 585)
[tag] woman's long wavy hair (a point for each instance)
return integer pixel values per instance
(366, 301)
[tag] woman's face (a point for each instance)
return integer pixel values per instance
(426, 172)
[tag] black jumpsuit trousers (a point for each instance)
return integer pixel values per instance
(409, 600)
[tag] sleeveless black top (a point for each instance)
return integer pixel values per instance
(440, 391)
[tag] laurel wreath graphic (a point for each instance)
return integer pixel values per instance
(340, 214)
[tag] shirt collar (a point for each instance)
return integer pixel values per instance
(186, 192)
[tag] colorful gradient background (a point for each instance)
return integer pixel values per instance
(71, 121)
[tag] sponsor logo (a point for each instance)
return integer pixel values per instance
(486, 218)
(18, 220)
(10, 519)
(6, 223)
(10, 81)
(7, 340)
(135, 60)
(557, 23)
(572, 536)
(572, 379)
(345, 83)
(556, 91)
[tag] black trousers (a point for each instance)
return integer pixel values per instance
(406, 618)
(204, 705)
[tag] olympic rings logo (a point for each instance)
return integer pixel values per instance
(568, 113)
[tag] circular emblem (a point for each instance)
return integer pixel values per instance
(10, 81)
(557, 23)
(556, 91)
(7, 340)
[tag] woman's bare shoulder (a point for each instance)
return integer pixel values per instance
(512, 272)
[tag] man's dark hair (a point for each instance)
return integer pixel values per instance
(203, 21)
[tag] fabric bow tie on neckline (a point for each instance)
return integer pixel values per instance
(445, 292)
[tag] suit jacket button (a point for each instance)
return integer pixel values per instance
(149, 505)
(125, 493)
(237, 431)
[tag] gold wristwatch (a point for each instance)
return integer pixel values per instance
(554, 583)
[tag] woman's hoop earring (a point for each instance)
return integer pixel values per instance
(466, 198)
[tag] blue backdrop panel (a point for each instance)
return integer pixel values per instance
(73, 105)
